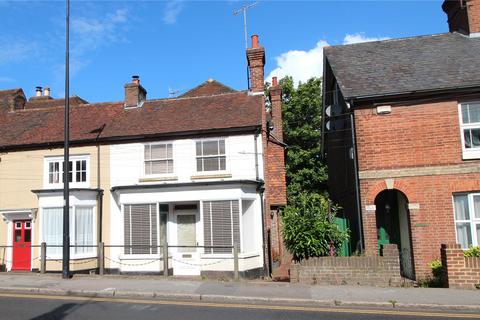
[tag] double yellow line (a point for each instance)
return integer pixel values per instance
(247, 306)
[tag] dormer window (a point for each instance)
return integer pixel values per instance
(470, 129)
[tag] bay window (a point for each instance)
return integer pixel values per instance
(82, 231)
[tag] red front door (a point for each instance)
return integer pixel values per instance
(22, 240)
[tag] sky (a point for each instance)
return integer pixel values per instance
(176, 45)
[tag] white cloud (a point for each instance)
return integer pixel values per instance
(359, 38)
(302, 65)
(172, 10)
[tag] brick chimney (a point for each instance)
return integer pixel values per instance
(276, 109)
(135, 94)
(256, 63)
(463, 16)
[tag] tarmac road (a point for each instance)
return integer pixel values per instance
(29, 306)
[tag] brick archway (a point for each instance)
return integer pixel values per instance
(397, 185)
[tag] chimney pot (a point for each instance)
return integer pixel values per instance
(255, 41)
(38, 91)
(274, 81)
(46, 92)
(136, 79)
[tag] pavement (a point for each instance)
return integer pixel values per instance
(254, 292)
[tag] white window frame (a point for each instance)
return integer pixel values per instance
(203, 172)
(73, 255)
(144, 174)
(473, 153)
(74, 183)
(473, 220)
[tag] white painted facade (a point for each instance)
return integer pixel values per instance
(185, 185)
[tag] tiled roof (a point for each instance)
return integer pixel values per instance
(208, 88)
(155, 118)
(47, 103)
(436, 62)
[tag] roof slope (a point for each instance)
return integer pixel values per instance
(208, 88)
(112, 120)
(48, 103)
(435, 62)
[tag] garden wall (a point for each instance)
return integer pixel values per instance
(362, 270)
(460, 271)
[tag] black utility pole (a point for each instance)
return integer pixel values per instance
(66, 157)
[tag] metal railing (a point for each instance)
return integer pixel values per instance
(101, 257)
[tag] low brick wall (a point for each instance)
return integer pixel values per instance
(362, 270)
(460, 271)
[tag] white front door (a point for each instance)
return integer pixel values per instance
(186, 260)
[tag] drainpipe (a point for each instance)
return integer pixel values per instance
(266, 269)
(257, 174)
(357, 179)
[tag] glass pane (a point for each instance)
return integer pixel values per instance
(148, 167)
(210, 164)
(476, 206)
(163, 226)
(28, 235)
(159, 167)
(169, 151)
(78, 165)
(478, 234)
(474, 112)
(199, 148)
(170, 166)
(464, 234)
(83, 229)
(475, 134)
(222, 146)
(159, 151)
(199, 164)
(78, 176)
(465, 113)
(52, 227)
(147, 152)
(210, 147)
(467, 136)
(18, 235)
(461, 207)
(84, 165)
(84, 176)
(222, 163)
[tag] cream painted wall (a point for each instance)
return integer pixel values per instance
(23, 171)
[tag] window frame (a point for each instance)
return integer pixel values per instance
(144, 160)
(203, 172)
(74, 159)
(473, 153)
(73, 254)
(473, 221)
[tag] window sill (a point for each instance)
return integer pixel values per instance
(211, 176)
(469, 155)
(157, 179)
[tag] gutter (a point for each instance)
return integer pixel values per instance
(119, 139)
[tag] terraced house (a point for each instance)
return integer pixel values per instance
(201, 169)
(403, 139)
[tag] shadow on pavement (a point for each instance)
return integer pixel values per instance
(59, 312)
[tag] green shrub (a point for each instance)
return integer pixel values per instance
(437, 279)
(309, 228)
(472, 252)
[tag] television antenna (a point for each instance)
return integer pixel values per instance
(172, 93)
(244, 10)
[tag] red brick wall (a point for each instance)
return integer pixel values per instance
(461, 272)
(473, 8)
(414, 136)
(411, 136)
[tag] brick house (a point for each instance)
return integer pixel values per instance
(402, 139)
(201, 169)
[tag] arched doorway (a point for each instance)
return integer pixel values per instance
(393, 226)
